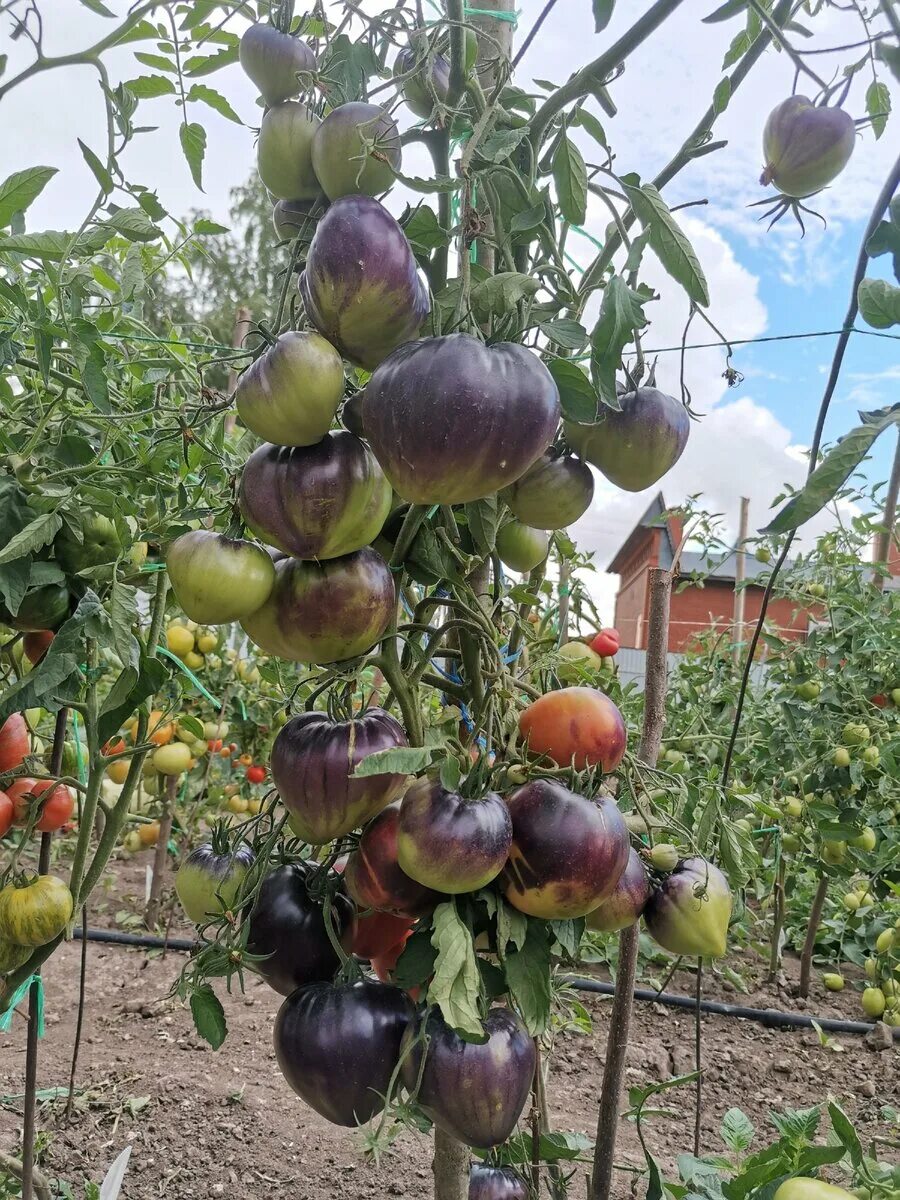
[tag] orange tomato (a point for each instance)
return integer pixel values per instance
(214, 744)
(246, 760)
(118, 771)
(159, 730)
(226, 752)
(114, 746)
(577, 726)
(149, 833)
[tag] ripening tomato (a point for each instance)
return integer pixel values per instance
(256, 774)
(226, 752)
(113, 746)
(34, 910)
(55, 810)
(214, 744)
(174, 759)
(118, 771)
(7, 809)
(132, 841)
(606, 643)
(575, 725)
(246, 760)
(880, 701)
(378, 933)
(148, 833)
(36, 644)
(14, 742)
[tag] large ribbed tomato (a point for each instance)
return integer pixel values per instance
(27, 796)
(576, 726)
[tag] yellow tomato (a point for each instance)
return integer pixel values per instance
(254, 806)
(118, 771)
(207, 642)
(34, 910)
(179, 640)
(238, 804)
(193, 660)
(160, 730)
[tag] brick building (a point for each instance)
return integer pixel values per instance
(695, 608)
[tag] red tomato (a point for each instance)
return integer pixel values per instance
(36, 644)
(606, 643)
(880, 701)
(378, 933)
(214, 744)
(256, 774)
(577, 726)
(7, 810)
(55, 811)
(383, 965)
(14, 742)
(114, 746)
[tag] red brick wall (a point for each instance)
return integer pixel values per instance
(696, 609)
(631, 600)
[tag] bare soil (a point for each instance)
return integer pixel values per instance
(205, 1123)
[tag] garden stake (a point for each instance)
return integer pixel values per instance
(623, 1001)
(809, 942)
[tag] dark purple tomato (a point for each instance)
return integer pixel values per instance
(449, 843)
(272, 59)
(552, 494)
(287, 926)
(452, 420)
(496, 1183)
(218, 579)
(352, 414)
(325, 612)
(474, 1092)
(638, 445)
(356, 151)
(338, 1046)
(290, 394)
(425, 87)
(567, 852)
(361, 288)
(628, 899)
(43, 608)
(373, 875)
(315, 502)
(313, 760)
(284, 152)
(806, 146)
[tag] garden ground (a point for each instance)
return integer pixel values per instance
(213, 1123)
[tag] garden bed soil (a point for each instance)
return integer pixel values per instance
(216, 1123)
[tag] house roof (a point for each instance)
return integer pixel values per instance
(671, 528)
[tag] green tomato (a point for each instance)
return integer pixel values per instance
(871, 756)
(809, 690)
(791, 842)
(12, 956)
(575, 659)
(855, 734)
(793, 806)
(834, 982)
(867, 840)
(99, 544)
(522, 548)
(208, 881)
(218, 579)
(802, 1188)
(850, 901)
(871, 969)
(35, 910)
(834, 853)
(873, 1002)
(885, 940)
(664, 856)
(895, 696)
(841, 757)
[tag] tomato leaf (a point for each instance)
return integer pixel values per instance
(133, 224)
(54, 245)
(423, 230)
(209, 1016)
(123, 617)
(37, 533)
(456, 985)
(565, 332)
(148, 87)
(206, 64)
(19, 189)
(722, 95)
(415, 965)
(402, 760)
(528, 975)
(557, 1146)
(512, 928)
(878, 106)
(879, 303)
(843, 1127)
(731, 8)
(570, 177)
(438, 183)
(131, 688)
(737, 1130)
(669, 242)
(621, 316)
(215, 100)
(159, 61)
(577, 395)
(833, 472)
(483, 517)
(499, 294)
(498, 145)
(193, 143)
(603, 11)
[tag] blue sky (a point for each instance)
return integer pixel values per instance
(752, 438)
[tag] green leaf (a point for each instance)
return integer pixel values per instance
(403, 760)
(512, 928)
(568, 334)
(528, 975)
(848, 1136)
(498, 295)
(131, 688)
(731, 8)
(53, 244)
(206, 228)
(209, 1016)
(101, 174)
(587, 121)
(737, 1130)
(498, 146)
(878, 106)
(206, 64)
(603, 11)
(159, 61)
(415, 965)
(148, 87)
(890, 55)
(528, 219)
(621, 316)
(133, 224)
(483, 517)
(722, 95)
(832, 473)
(577, 395)
(346, 67)
(97, 7)
(37, 533)
(123, 617)
(741, 43)
(798, 1125)
(669, 242)
(439, 183)
(570, 177)
(193, 143)
(456, 985)
(20, 189)
(567, 934)
(423, 230)
(879, 303)
(554, 1147)
(208, 95)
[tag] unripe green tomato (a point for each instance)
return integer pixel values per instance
(867, 840)
(873, 1002)
(743, 823)
(803, 1188)
(855, 734)
(850, 901)
(889, 987)
(892, 1018)
(664, 856)
(793, 806)
(871, 969)
(841, 757)
(895, 696)
(834, 982)
(791, 842)
(871, 756)
(885, 940)
(808, 690)
(834, 853)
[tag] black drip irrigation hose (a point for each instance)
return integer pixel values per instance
(764, 1016)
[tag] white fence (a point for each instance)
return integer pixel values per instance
(632, 666)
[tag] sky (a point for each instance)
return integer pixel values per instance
(751, 439)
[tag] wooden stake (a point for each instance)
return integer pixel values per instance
(886, 536)
(740, 573)
(162, 849)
